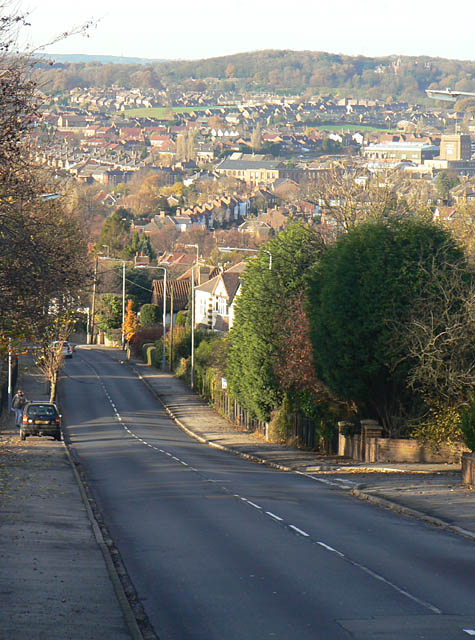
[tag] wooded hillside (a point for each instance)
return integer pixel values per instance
(401, 78)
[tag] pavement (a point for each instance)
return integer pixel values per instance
(61, 576)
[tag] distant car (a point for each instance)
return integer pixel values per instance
(66, 348)
(40, 419)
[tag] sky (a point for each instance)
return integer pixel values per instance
(187, 29)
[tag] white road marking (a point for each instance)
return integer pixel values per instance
(337, 482)
(471, 632)
(272, 515)
(302, 533)
(328, 548)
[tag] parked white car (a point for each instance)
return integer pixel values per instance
(66, 348)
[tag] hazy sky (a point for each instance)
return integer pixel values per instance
(188, 29)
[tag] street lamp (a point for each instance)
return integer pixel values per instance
(164, 321)
(228, 249)
(192, 369)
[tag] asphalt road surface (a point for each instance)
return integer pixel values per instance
(220, 548)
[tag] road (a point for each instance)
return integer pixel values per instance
(221, 548)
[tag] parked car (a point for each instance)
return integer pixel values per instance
(66, 348)
(40, 419)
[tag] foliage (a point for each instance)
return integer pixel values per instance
(210, 360)
(115, 235)
(131, 323)
(140, 244)
(441, 426)
(43, 256)
(348, 198)
(294, 365)
(362, 286)
(444, 182)
(439, 337)
(279, 426)
(149, 315)
(142, 336)
(180, 320)
(278, 70)
(467, 424)
(264, 294)
(109, 312)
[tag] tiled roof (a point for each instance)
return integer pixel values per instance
(181, 291)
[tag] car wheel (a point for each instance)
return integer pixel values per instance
(22, 435)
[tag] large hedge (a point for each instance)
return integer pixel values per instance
(265, 297)
(359, 296)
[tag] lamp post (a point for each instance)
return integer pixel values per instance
(9, 373)
(123, 305)
(192, 368)
(164, 320)
(228, 249)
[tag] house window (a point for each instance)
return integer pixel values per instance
(222, 306)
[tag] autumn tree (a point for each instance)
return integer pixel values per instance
(131, 323)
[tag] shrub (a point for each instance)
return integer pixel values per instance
(180, 320)
(279, 427)
(150, 334)
(149, 315)
(442, 426)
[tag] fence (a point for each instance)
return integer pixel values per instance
(302, 429)
(229, 407)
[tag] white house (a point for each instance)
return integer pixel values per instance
(214, 300)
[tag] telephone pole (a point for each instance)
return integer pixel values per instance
(93, 303)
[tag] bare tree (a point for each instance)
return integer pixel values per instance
(42, 257)
(440, 338)
(348, 197)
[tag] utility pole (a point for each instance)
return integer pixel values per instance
(9, 373)
(123, 305)
(192, 370)
(171, 327)
(93, 303)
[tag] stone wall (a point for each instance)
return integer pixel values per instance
(368, 446)
(413, 451)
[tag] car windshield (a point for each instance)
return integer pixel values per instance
(41, 410)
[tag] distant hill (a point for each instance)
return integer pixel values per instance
(396, 78)
(80, 57)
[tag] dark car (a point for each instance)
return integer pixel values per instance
(40, 419)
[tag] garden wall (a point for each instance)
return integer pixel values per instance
(369, 446)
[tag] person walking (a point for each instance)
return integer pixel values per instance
(18, 402)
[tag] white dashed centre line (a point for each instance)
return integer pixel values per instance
(272, 515)
(299, 531)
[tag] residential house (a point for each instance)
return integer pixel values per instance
(214, 300)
